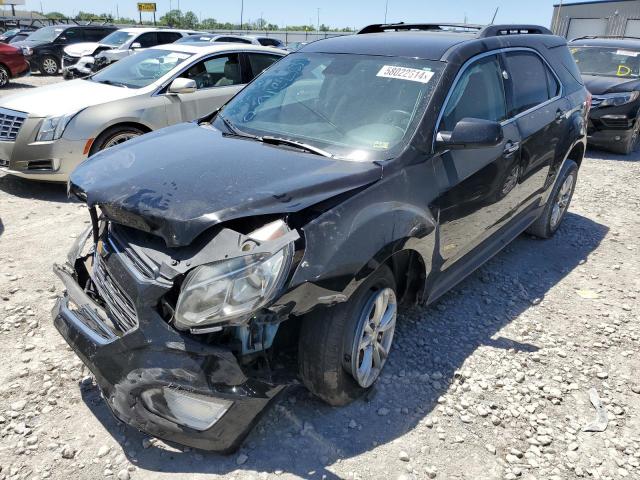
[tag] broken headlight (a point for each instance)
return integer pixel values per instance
(233, 289)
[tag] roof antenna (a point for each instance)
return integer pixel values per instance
(495, 14)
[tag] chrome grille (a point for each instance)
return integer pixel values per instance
(138, 264)
(119, 305)
(10, 124)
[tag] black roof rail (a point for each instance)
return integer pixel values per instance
(401, 26)
(498, 30)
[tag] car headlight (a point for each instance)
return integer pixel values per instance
(52, 128)
(27, 51)
(617, 99)
(233, 289)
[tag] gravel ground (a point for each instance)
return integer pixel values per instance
(491, 382)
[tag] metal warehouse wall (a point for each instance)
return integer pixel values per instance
(616, 14)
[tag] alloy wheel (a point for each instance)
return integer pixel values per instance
(562, 201)
(50, 66)
(119, 138)
(4, 77)
(372, 343)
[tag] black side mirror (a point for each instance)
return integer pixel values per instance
(471, 133)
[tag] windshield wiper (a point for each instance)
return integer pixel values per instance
(111, 82)
(296, 144)
(234, 131)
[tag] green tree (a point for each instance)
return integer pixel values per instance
(209, 24)
(190, 20)
(173, 18)
(55, 15)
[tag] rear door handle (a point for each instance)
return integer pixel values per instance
(511, 147)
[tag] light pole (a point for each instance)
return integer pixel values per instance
(318, 28)
(386, 9)
(241, 12)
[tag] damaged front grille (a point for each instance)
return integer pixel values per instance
(138, 264)
(119, 305)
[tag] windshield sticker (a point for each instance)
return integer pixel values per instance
(623, 71)
(404, 73)
(627, 53)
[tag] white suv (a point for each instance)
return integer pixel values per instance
(81, 59)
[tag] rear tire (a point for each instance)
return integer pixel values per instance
(5, 76)
(49, 65)
(329, 337)
(115, 136)
(558, 204)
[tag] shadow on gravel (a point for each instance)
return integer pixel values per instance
(604, 155)
(303, 436)
(1, 227)
(47, 191)
(17, 85)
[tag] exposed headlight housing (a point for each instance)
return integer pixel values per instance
(52, 128)
(234, 289)
(617, 99)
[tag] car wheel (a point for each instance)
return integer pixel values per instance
(558, 204)
(115, 136)
(49, 65)
(4, 76)
(342, 350)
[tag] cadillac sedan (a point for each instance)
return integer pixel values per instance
(46, 133)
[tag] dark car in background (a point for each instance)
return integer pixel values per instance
(44, 47)
(12, 64)
(610, 68)
(277, 237)
(16, 34)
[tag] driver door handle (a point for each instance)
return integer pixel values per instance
(510, 148)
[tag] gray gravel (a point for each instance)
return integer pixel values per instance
(492, 382)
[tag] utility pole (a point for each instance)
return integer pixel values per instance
(318, 29)
(241, 12)
(386, 9)
(117, 12)
(557, 22)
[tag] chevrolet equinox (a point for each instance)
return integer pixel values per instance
(277, 237)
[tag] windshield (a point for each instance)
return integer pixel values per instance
(46, 34)
(195, 38)
(607, 62)
(141, 69)
(117, 38)
(356, 107)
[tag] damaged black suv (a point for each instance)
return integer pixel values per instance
(275, 239)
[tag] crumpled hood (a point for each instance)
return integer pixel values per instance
(65, 97)
(598, 85)
(181, 180)
(83, 49)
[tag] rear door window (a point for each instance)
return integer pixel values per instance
(532, 83)
(168, 37)
(260, 61)
(72, 35)
(479, 93)
(146, 40)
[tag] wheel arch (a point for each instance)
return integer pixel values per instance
(118, 124)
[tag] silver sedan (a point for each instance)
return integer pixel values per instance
(47, 132)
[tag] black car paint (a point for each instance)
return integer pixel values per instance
(351, 218)
(56, 47)
(603, 131)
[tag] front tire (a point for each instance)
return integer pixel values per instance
(115, 136)
(558, 204)
(5, 75)
(49, 65)
(342, 350)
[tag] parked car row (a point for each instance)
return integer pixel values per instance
(276, 237)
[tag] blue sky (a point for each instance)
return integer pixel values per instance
(338, 13)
